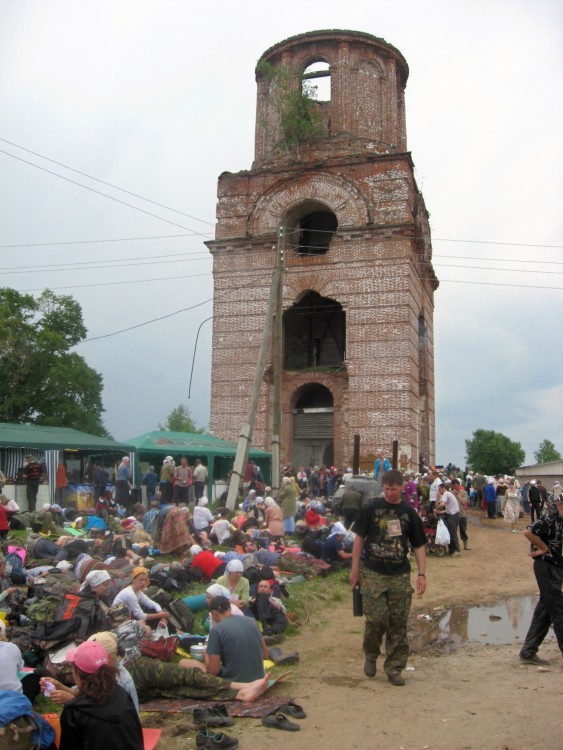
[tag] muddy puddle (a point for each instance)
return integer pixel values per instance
(446, 630)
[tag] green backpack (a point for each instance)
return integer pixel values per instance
(44, 609)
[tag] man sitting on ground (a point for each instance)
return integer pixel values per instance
(332, 551)
(268, 610)
(235, 649)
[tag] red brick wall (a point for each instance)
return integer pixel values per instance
(378, 266)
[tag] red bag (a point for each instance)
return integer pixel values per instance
(161, 649)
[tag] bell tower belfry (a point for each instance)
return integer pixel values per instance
(333, 172)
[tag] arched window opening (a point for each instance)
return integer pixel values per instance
(314, 333)
(316, 81)
(310, 228)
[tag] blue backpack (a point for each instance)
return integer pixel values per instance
(19, 722)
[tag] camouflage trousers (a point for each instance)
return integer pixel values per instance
(156, 679)
(386, 602)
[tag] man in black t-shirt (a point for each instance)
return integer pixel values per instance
(32, 476)
(380, 562)
(546, 538)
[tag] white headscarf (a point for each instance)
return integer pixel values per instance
(202, 501)
(337, 528)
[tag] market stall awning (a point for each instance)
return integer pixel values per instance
(57, 438)
(188, 443)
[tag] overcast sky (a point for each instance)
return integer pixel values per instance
(158, 98)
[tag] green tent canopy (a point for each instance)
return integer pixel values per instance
(56, 438)
(37, 439)
(217, 454)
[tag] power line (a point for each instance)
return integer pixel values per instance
(93, 242)
(490, 242)
(116, 265)
(109, 184)
(146, 323)
(105, 260)
(500, 260)
(118, 283)
(99, 192)
(502, 270)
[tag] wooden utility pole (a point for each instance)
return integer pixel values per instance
(278, 365)
(245, 436)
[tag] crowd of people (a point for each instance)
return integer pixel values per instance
(98, 579)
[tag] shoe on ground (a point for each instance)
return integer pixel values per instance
(216, 716)
(370, 668)
(456, 554)
(396, 679)
(532, 659)
(294, 710)
(273, 640)
(279, 721)
(467, 547)
(208, 740)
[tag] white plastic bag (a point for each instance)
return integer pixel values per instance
(442, 534)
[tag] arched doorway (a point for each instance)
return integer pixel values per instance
(313, 426)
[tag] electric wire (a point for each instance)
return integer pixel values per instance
(115, 265)
(105, 260)
(102, 182)
(111, 197)
(147, 322)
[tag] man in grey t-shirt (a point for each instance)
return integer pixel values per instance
(235, 649)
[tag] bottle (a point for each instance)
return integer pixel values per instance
(357, 602)
(161, 631)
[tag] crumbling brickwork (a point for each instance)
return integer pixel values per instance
(376, 267)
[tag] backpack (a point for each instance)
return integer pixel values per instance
(20, 727)
(15, 561)
(181, 616)
(43, 609)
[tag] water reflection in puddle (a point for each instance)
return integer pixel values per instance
(502, 623)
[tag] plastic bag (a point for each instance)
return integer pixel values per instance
(442, 534)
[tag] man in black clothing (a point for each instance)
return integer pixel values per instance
(546, 538)
(534, 496)
(32, 475)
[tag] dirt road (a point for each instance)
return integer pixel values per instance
(479, 697)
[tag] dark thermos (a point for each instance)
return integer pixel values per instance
(357, 602)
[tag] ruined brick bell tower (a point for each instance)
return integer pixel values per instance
(358, 284)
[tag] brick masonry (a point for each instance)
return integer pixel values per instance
(378, 266)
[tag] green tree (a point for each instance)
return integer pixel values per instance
(546, 452)
(294, 101)
(41, 380)
(180, 420)
(493, 453)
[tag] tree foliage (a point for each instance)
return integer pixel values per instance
(180, 420)
(294, 101)
(41, 380)
(493, 453)
(547, 452)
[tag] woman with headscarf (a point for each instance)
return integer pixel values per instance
(175, 535)
(202, 516)
(332, 551)
(273, 516)
(122, 494)
(288, 501)
(236, 583)
(139, 605)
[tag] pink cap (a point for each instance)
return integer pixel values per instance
(88, 657)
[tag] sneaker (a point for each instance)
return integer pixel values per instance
(396, 679)
(370, 668)
(207, 740)
(456, 554)
(532, 659)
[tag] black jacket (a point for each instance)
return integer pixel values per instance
(112, 725)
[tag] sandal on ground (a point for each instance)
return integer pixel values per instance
(294, 710)
(279, 721)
